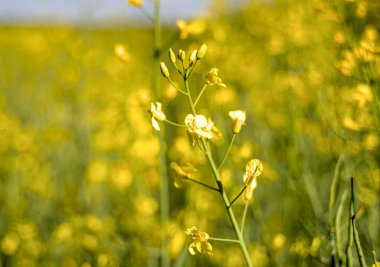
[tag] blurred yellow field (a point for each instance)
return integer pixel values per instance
(232, 137)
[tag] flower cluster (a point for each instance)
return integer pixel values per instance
(198, 126)
(253, 169)
(200, 241)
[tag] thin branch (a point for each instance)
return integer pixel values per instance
(359, 249)
(244, 216)
(200, 94)
(200, 183)
(238, 195)
(228, 152)
(224, 240)
(171, 82)
(175, 124)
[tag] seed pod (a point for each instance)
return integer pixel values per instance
(202, 51)
(164, 70)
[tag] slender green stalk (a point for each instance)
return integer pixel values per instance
(228, 151)
(200, 94)
(202, 184)
(350, 235)
(224, 240)
(175, 124)
(244, 216)
(238, 195)
(175, 86)
(164, 192)
(334, 184)
(219, 183)
(359, 249)
(338, 220)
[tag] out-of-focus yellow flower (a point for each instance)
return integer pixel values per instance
(213, 78)
(350, 124)
(189, 28)
(253, 169)
(200, 241)
(10, 243)
(138, 3)
(371, 141)
(278, 242)
(157, 114)
(179, 173)
(238, 120)
(122, 54)
(198, 126)
(362, 95)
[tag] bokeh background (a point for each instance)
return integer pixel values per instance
(79, 175)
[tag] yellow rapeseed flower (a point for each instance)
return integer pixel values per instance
(137, 3)
(122, 54)
(213, 78)
(198, 126)
(238, 120)
(200, 241)
(253, 169)
(157, 114)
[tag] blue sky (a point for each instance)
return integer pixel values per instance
(77, 11)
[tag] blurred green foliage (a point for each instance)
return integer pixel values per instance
(79, 180)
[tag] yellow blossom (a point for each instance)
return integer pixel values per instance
(200, 241)
(198, 126)
(187, 28)
(238, 120)
(213, 78)
(157, 114)
(138, 3)
(122, 54)
(253, 169)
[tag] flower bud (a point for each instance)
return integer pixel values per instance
(181, 55)
(202, 51)
(172, 56)
(193, 56)
(164, 70)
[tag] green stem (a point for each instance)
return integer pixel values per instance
(244, 216)
(359, 250)
(228, 206)
(338, 220)
(350, 234)
(200, 94)
(164, 192)
(238, 195)
(171, 82)
(202, 184)
(228, 152)
(175, 124)
(334, 184)
(224, 240)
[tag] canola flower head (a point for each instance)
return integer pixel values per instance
(253, 169)
(157, 114)
(238, 120)
(200, 241)
(121, 53)
(136, 3)
(213, 78)
(198, 126)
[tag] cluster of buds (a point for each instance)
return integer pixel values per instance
(186, 64)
